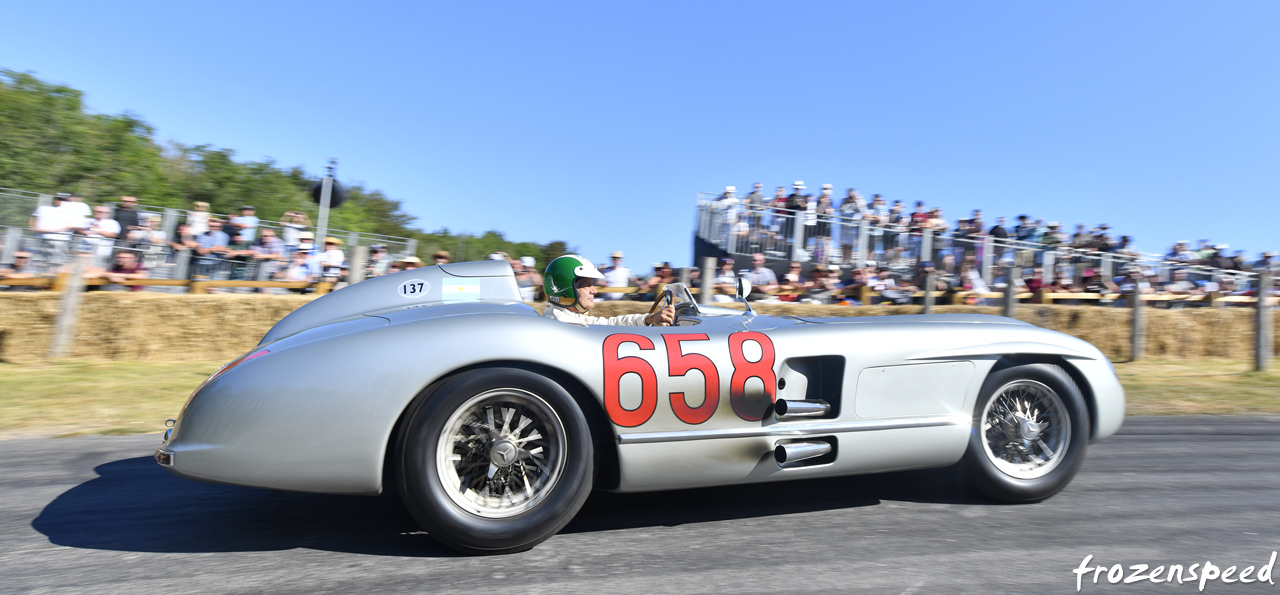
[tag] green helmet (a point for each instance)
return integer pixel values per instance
(560, 278)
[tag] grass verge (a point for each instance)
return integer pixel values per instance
(71, 398)
(1199, 387)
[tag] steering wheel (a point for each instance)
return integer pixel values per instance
(666, 295)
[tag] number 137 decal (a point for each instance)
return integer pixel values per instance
(679, 363)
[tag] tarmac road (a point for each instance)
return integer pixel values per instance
(96, 515)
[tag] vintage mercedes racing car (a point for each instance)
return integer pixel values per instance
(494, 423)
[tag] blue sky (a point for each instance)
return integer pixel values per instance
(596, 123)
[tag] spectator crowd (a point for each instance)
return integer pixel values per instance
(833, 250)
(893, 248)
(125, 243)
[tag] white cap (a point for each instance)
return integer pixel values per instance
(527, 261)
(729, 189)
(798, 184)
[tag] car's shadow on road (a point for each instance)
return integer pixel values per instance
(136, 506)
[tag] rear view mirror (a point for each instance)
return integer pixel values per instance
(744, 288)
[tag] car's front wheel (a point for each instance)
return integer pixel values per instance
(495, 460)
(1030, 431)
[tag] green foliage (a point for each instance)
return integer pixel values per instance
(49, 143)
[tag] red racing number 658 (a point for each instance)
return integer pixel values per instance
(748, 406)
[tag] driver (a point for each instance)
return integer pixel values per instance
(569, 282)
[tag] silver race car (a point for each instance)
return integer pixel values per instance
(495, 423)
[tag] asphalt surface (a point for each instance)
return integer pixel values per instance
(96, 515)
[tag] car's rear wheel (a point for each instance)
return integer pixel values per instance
(1030, 431)
(495, 460)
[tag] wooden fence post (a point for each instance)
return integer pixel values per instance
(359, 256)
(929, 284)
(1010, 294)
(707, 280)
(1262, 346)
(64, 328)
(1138, 336)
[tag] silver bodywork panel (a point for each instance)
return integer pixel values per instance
(317, 412)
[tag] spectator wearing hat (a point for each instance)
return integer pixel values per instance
(616, 275)
(1102, 241)
(332, 258)
(796, 205)
(307, 241)
(299, 268)
(411, 262)
(1266, 263)
(441, 257)
(247, 221)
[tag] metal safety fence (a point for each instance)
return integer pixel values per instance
(849, 240)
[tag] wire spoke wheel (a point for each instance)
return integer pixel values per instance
(501, 453)
(1025, 429)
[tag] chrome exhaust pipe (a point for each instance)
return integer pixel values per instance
(792, 452)
(800, 408)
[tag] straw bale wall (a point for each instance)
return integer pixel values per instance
(143, 326)
(178, 327)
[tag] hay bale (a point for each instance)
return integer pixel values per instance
(26, 325)
(165, 327)
(158, 327)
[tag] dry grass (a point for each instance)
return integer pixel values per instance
(1199, 386)
(69, 398)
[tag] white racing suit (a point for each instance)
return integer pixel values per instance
(564, 314)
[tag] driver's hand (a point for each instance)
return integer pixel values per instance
(663, 317)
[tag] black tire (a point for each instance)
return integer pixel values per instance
(450, 421)
(1001, 462)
